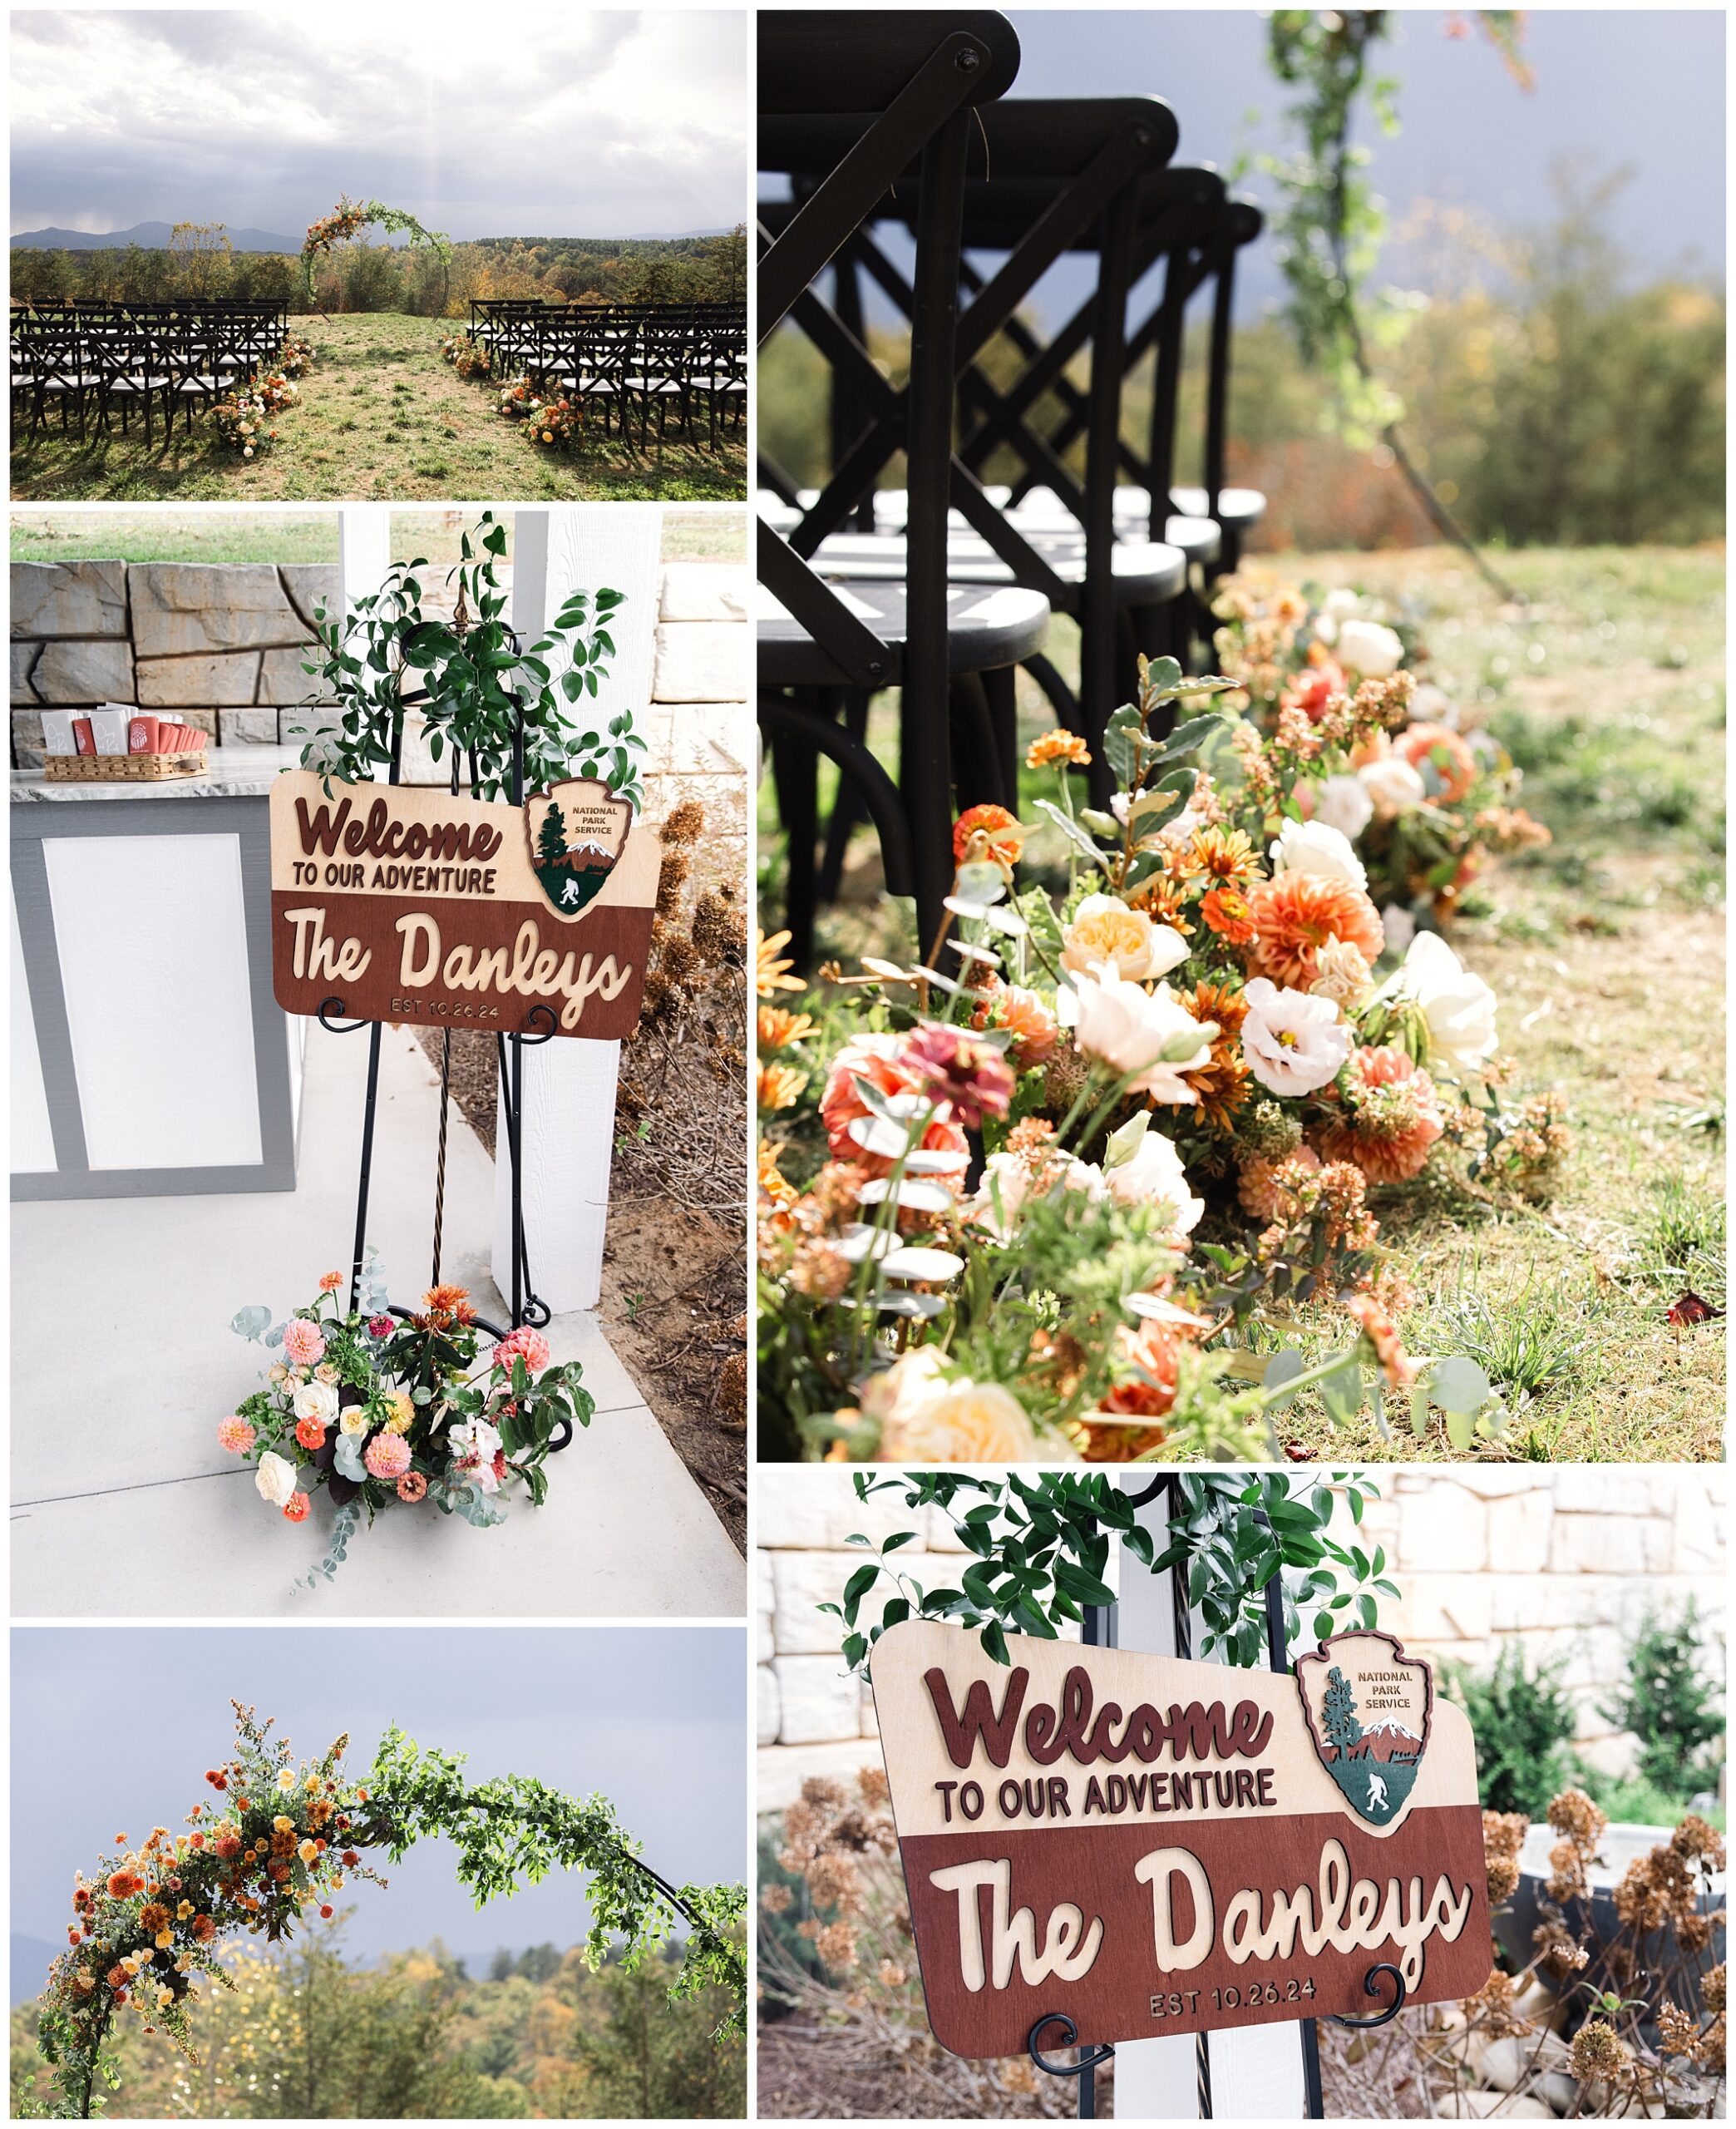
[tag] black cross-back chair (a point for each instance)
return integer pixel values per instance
(914, 84)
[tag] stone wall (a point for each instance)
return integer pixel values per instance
(1563, 1561)
(223, 643)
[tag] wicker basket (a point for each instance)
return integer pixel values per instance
(122, 768)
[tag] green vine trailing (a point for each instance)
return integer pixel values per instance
(349, 217)
(1041, 1550)
(282, 1837)
(1331, 223)
(475, 680)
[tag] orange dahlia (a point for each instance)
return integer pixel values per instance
(1392, 1116)
(1295, 913)
(988, 834)
(1434, 746)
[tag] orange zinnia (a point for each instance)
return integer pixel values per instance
(1295, 913)
(1058, 746)
(988, 831)
(1226, 912)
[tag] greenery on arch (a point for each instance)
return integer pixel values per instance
(282, 1837)
(350, 217)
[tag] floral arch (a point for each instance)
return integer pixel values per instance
(349, 217)
(282, 1836)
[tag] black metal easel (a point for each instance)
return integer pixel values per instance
(1099, 1632)
(527, 1308)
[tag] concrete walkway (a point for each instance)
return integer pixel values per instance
(123, 1364)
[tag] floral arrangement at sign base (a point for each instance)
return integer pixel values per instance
(382, 1409)
(1427, 803)
(1083, 1165)
(243, 423)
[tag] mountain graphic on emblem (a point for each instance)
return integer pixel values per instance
(576, 831)
(1370, 1708)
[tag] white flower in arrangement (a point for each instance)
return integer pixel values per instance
(474, 1445)
(285, 1779)
(1142, 1167)
(1458, 1007)
(1314, 846)
(275, 1478)
(354, 1420)
(1392, 785)
(1006, 1184)
(1293, 1044)
(1342, 802)
(315, 1400)
(1151, 1033)
(1106, 932)
(1430, 706)
(1335, 608)
(1368, 648)
(1342, 974)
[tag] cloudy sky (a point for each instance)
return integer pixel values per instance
(112, 1729)
(570, 124)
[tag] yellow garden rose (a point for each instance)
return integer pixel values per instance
(1105, 933)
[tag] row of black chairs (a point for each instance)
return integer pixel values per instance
(885, 125)
(681, 364)
(88, 361)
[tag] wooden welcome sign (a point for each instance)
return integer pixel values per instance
(410, 904)
(1152, 1846)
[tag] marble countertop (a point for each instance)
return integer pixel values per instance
(230, 773)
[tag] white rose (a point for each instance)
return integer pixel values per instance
(1105, 932)
(1294, 1043)
(1392, 785)
(1132, 1031)
(1367, 648)
(1335, 609)
(1314, 846)
(1153, 1174)
(275, 1478)
(1458, 1007)
(316, 1400)
(1342, 802)
(1429, 706)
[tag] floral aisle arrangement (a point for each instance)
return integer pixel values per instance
(146, 1929)
(552, 423)
(297, 356)
(1333, 686)
(469, 358)
(276, 390)
(1065, 1176)
(380, 1410)
(243, 423)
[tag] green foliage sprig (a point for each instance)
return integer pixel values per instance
(1523, 1724)
(516, 1828)
(1672, 1704)
(476, 679)
(1041, 1552)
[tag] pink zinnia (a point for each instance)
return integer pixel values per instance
(381, 1326)
(303, 1343)
(387, 1455)
(531, 1345)
(952, 1066)
(412, 1486)
(235, 1435)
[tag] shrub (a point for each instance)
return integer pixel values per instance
(1523, 1723)
(1671, 1704)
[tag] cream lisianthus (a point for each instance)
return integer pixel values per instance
(1368, 648)
(275, 1478)
(1342, 802)
(1151, 1174)
(1106, 932)
(1392, 785)
(1458, 1007)
(315, 1400)
(1293, 1044)
(1149, 1033)
(1316, 847)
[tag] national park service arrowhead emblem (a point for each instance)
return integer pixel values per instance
(576, 831)
(1370, 1708)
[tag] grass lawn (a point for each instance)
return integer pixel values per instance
(1606, 951)
(382, 417)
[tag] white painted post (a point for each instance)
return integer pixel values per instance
(364, 550)
(568, 1128)
(1257, 2071)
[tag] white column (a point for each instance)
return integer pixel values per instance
(364, 549)
(1257, 2071)
(570, 1084)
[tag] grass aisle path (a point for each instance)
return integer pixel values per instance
(1606, 953)
(382, 417)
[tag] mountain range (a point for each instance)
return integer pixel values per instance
(150, 236)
